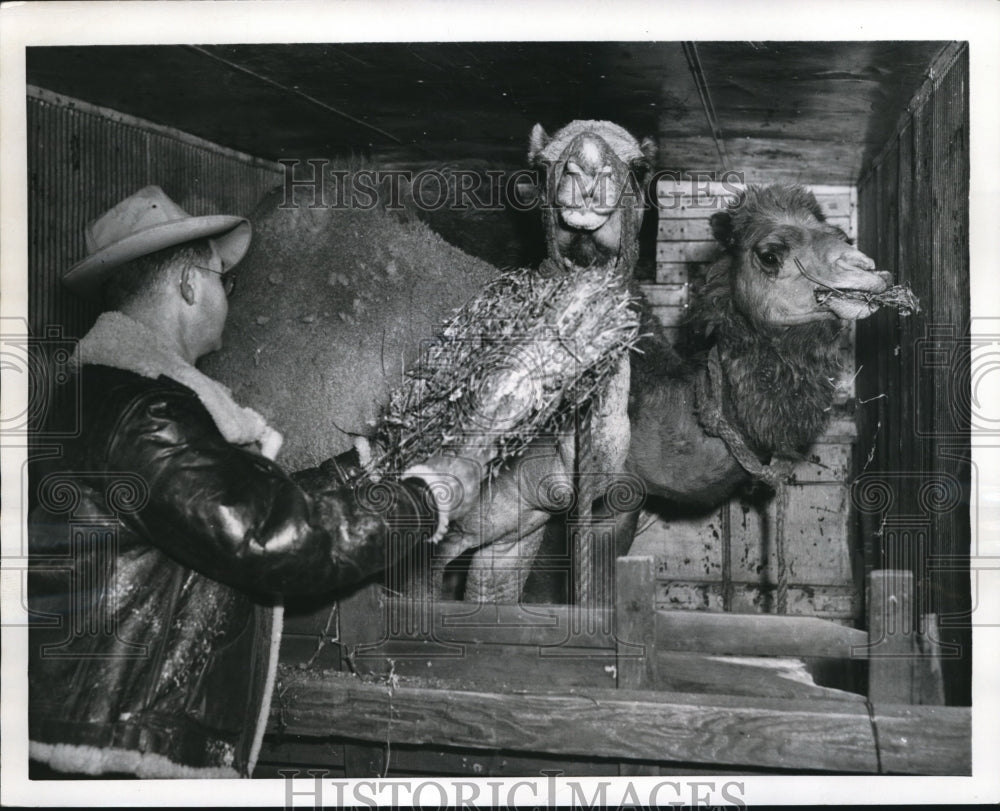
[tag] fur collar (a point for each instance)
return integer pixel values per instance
(93, 760)
(123, 343)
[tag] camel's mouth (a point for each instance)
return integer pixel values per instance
(856, 304)
(584, 219)
(824, 294)
(859, 300)
(849, 304)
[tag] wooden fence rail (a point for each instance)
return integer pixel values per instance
(640, 687)
(623, 724)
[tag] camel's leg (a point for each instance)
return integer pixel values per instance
(498, 571)
(511, 522)
(626, 523)
(621, 507)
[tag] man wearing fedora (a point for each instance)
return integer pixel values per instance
(164, 533)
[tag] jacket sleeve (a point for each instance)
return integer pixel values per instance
(237, 517)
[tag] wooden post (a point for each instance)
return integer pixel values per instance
(362, 617)
(635, 623)
(891, 637)
(371, 623)
(635, 635)
(364, 760)
(929, 678)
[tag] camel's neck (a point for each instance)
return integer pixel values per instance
(779, 382)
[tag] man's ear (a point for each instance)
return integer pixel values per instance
(649, 149)
(187, 289)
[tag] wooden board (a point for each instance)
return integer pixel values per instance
(892, 646)
(693, 201)
(906, 448)
(753, 670)
(694, 550)
(947, 749)
(672, 229)
(814, 734)
(950, 592)
(670, 316)
(757, 676)
(758, 634)
(686, 251)
(840, 603)
(636, 660)
(284, 754)
(730, 633)
(672, 272)
(666, 295)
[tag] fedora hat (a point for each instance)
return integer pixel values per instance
(147, 222)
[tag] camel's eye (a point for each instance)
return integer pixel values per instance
(770, 260)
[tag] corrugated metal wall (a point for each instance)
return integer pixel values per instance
(912, 494)
(83, 159)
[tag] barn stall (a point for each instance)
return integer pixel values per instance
(686, 665)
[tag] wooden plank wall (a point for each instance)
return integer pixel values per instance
(913, 386)
(724, 561)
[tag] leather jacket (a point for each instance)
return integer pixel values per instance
(155, 546)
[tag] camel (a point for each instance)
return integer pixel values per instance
(593, 176)
(766, 382)
(760, 386)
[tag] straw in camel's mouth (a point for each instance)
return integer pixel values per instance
(899, 297)
(824, 294)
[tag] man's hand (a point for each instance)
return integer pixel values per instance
(270, 443)
(454, 482)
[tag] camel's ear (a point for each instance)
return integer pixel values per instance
(649, 149)
(537, 142)
(722, 228)
(644, 163)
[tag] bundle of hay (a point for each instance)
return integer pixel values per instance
(514, 362)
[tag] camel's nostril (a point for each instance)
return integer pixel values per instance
(855, 260)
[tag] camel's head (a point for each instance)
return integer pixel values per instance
(595, 175)
(787, 260)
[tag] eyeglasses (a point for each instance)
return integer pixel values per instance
(228, 279)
